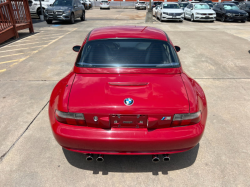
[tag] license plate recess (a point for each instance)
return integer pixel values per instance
(128, 121)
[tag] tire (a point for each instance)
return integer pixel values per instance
(222, 18)
(100, 8)
(83, 16)
(181, 21)
(161, 18)
(192, 18)
(49, 21)
(72, 18)
(39, 12)
(243, 21)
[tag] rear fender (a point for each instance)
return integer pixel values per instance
(60, 95)
(196, 96)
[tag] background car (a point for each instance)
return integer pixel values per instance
(154, 4)
(230, 12)
(35, 8)
(140, 5)
(170, 11)
(235, 2)
(104, 5)
(65, 10)
(199, 12)
(128, 96)
(183, 4)
(246, 7)
(86, 3)
(155, 9)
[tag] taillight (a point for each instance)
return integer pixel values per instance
(70, 118)
(186, 119)
(100, 3)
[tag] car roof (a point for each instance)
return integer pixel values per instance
(228, 3)
(127, 32)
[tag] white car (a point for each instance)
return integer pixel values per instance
(199, 12)
(140, 5)
(104, 4)
(34, 6)
(170, 11)
(155, 9)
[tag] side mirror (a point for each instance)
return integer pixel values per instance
(76, 48)
(177, 48)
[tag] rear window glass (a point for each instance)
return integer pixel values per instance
(128, 53)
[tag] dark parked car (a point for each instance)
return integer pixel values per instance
(65, 10)
(183, 4)
(246, 7)
(229, 12)
(235, 2)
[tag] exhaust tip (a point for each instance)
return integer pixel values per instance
(100, 158)
(155, 159)
(89, 157)
(166, 158)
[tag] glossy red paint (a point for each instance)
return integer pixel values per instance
(157, 93)
(127, 32)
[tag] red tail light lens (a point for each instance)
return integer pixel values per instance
(70, 118)
(186, 119)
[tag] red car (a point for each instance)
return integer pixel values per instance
(127, 95)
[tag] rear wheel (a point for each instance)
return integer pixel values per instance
(83, 16)
(243, 21)
(72, 18)
(39, 12)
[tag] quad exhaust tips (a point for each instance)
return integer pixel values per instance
(89, 157)
(155, 159)
(166, 158)
(100, 158)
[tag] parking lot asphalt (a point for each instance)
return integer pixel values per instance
(215, 54)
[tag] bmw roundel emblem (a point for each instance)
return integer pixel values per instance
(128, 101)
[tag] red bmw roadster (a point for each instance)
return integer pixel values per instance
(127, 95)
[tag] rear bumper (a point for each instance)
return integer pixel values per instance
(104, 6)
(127, 141)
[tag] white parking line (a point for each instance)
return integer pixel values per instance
(27, 43)
(21, 49)
(11, 55)
(10, 61)
(42, 48)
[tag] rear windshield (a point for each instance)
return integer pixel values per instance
(128, 53)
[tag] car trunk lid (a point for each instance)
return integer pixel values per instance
(156, 98)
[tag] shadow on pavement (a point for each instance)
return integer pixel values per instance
(21, 36)
(132, 164)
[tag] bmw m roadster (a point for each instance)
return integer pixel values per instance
(127, 95)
